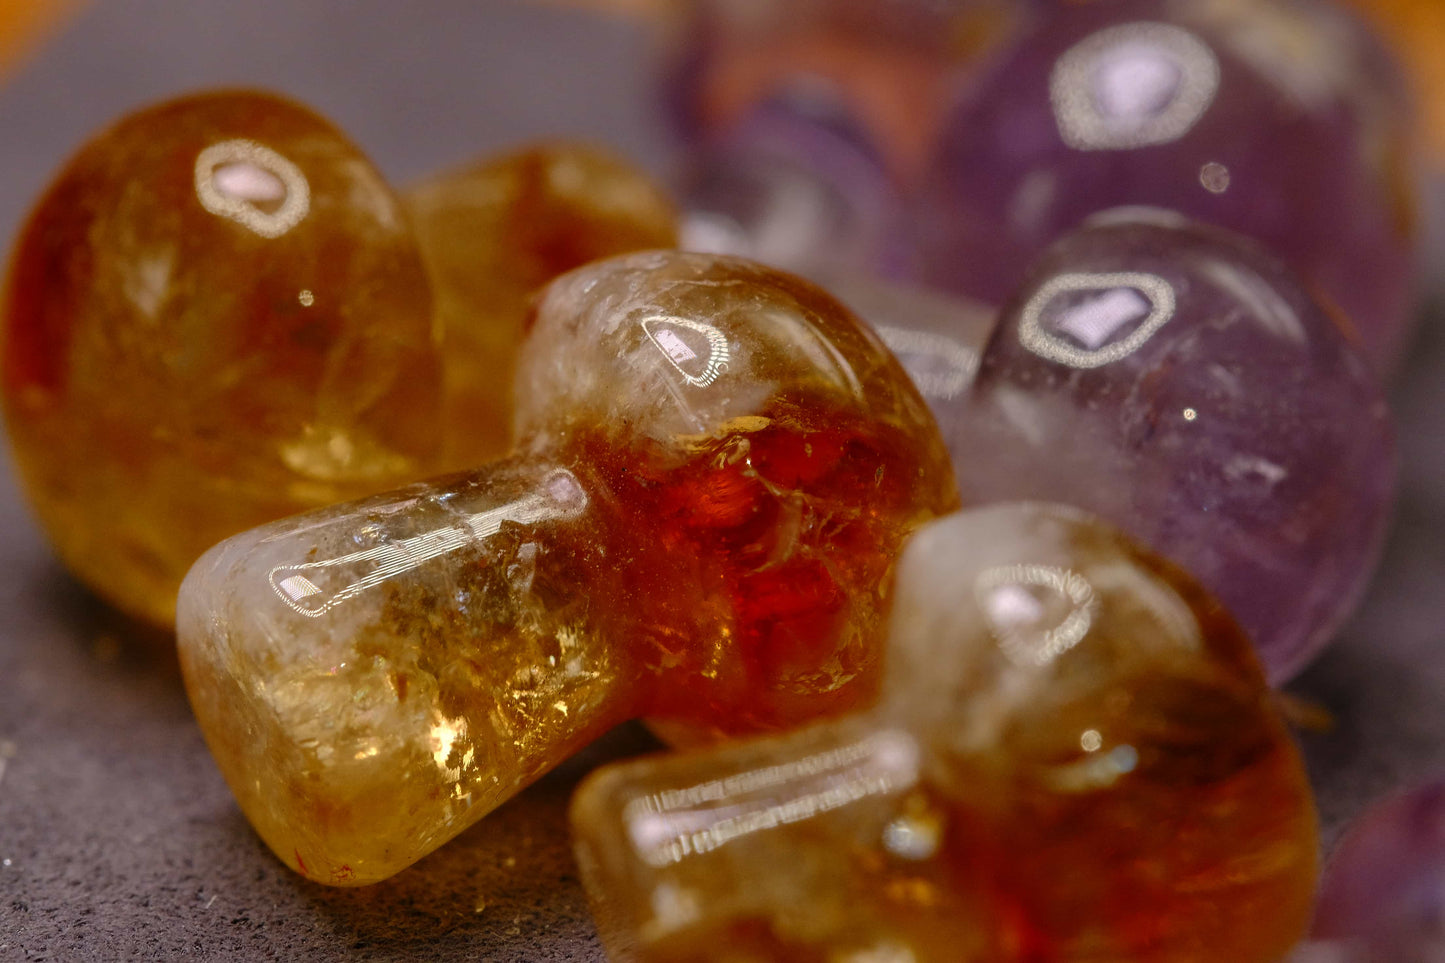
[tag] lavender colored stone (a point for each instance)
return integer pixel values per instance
(798, 186)
(1177, 380)
(807, 123)
(1383, 895)
(1281, 119)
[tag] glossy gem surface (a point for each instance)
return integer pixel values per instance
(1283, 121)
(1075, 757)
(716, 464)
(806, 123)
(215, 316)
(1383, 895)
(1179, 382)
(495, 232)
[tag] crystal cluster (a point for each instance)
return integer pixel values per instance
(219, 313)
(715, 467)
(1075, 757)
(1181, 383)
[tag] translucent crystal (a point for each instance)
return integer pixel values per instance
(491, 235)
(1180, 382)
(215, 316)
(1283, 120)
(1075, 757)
(716, 465)
(1383, 895)
(806, 123)
(937, 338)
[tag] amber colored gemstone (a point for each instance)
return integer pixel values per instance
(1075, 757)
(215, 316)
(491, 235)
(716, 464)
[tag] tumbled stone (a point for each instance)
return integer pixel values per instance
(1178, 381)
(806, 123)
(1383, 894)
(1283, 120)
(491, 235)
(1075, 757)
(715, 466)
(215, 316)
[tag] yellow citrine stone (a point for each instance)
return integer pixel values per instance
(495, 232)
(215, 316)
(715, 465)
(220, 314)
(1075, 757)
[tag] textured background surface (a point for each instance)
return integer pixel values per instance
(118, 839)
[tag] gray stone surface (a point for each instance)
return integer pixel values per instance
(118, 839)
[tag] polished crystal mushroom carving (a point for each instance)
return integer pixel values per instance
(215, 316)
(1285, 121)
(220, 314)
(1075, 757)
(715, 466)
(1182, 383)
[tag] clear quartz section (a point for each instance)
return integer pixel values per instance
(1075, 757)
(716, 467)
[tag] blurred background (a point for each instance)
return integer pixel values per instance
(118, 837)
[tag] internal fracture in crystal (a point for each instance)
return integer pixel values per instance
(1075, 757)
(715, 466)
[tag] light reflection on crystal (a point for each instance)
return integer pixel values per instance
(1135, 759)
(1110, 302)
(235, 177)
(1133, 85)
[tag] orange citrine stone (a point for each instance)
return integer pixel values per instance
(215, 316)
(1075, 757)
(496, 231)
(715, 466)
(220, 314)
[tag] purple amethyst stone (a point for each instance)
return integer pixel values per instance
(1280, 119)
(1178, 381)
(1383, 895)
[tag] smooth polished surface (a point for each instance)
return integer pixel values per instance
(807, 123)
(133, 845)
(1278, 119)
(716, 466)
(1075, 757)
(1180, 382)
(1383, 896)
(215, 316)
(938, 339)
(495, 232)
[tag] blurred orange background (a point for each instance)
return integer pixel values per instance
(23, 23)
